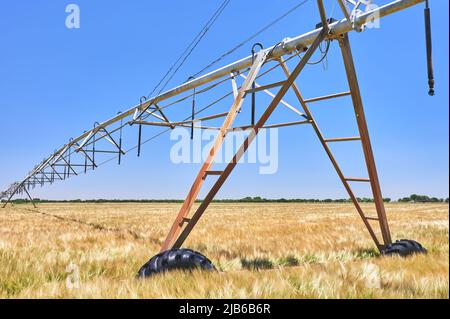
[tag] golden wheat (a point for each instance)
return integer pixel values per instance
(262, 251)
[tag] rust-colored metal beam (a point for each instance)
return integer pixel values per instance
(258, 126)
(342, 139)
(327, 97)
(344, 44)
(198, 183)
(355, 179)
(29, 196)
(286, 124)
(323, 15)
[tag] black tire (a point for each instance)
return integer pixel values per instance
(175, 259)
(404, 247)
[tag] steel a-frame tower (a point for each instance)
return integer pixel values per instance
(183, 224)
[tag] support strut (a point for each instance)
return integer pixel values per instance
(226, 173)
(195, 189)
(365, 139)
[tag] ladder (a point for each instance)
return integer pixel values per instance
(363, 137)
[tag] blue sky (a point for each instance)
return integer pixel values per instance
(55, 83)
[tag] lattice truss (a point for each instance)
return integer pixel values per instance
(88, 151)
(242, 96)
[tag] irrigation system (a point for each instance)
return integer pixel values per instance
(80, 154)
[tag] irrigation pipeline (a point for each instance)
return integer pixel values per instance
(78, 145)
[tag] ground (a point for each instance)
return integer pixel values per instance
(261, 251)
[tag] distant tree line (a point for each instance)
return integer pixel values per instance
(414, 198)
(298, 200)
(411, 199)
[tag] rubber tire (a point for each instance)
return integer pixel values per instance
(403, 248)
(175, 259)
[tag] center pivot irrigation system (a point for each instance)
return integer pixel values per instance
(82, 153)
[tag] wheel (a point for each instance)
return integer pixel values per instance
(404, 247)
(175, 259)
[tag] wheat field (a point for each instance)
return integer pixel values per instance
(270, 250)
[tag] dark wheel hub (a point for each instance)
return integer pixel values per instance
(404, 247)
(175, 259)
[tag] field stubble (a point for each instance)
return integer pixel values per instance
(262, 251)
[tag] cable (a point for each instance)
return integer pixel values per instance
(190, 48)
(323, 51)
(213, 19)
(251, 37)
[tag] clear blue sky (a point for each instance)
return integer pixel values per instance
(55, 82)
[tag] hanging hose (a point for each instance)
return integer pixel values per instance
(429, 49)
(68, 160)
(143, 99)
(120, 140)
(93, 145)
(193, 107)
(193, 115)
(254, 84)
(85, 160)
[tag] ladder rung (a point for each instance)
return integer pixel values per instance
(372, 218)
(185, 221)
(327, 97)
(287, 124)
(265, 87)
(343, 139)
(353, 179)
(213, 172)
(217, 173)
